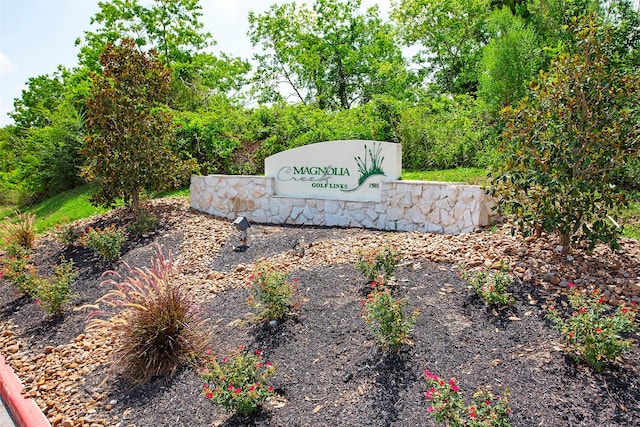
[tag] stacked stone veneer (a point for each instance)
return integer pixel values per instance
(404, 206)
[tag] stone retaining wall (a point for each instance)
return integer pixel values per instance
(405, 205)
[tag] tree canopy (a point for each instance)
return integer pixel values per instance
(129, 145)
(330, 55)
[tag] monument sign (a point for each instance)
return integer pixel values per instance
(340, 170)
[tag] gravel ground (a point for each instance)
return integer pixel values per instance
(329, 370)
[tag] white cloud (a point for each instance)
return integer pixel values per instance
(6, 66)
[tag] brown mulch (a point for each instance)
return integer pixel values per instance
(329, 370)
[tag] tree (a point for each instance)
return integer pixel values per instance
(174, 29)
(129, 143)
(509, 61)
(449, 35)
(42, 96)
(329, 55)
(565, 144)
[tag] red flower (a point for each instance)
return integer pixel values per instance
(236, 391)
(598, 330)
(269, 363)
(583, 310)
(430, 409)
(230, 387)
(38, 302)
(258, 352)
(571, 285)
(624, 310)
(270, 389)
(209, 395)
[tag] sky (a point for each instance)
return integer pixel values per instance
(38, 35)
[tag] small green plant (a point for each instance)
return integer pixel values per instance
(272, 293)
(159, 326)
(491, 286)
(446, 404)
(52, 293)
(106, 242)
(386, 318)
(378, 265)
(17, 270)
(22, 232)
(592, 333)
(67, 234)
(238, 382)
(144, 223)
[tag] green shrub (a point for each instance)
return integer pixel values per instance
(144, 222)
(378, 265)
(386, 318)
(592, 333)
(158, 327)
(491, 286)
(17, 270)
(106, 242)
(67, 234)
(444, 134)
(52, 293)
(238, 382)
(272, 293)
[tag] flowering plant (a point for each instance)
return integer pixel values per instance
(237, 382)
(592, 333)
(17, 270)
(386, 318)
(378, 265)
(271, 292)
(447, 405)
(490, 286)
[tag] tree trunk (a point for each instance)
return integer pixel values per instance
(565, 242)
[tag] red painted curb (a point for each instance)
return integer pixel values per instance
(24, 410)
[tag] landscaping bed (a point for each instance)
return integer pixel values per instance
(329, 369)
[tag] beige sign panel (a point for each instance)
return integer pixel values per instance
(339, 170)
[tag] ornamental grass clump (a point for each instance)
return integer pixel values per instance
(387, 319)
(446, 405)
(272, 293)
(158, 326)
(592, 332)
(490, 286)
(238, 382)
(22, 232)
(378, 265)
(106, 242)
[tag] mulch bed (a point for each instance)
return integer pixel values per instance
(329, 369)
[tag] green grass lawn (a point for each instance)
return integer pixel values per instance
(68, 207)
(466, 175)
